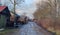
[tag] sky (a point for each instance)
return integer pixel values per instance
(28, 7)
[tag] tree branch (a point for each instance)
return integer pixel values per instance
(11, 1)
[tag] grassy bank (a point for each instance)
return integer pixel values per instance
(57, 31)
(7, 31)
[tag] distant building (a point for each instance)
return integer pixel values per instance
(14, 20)
(4, 16)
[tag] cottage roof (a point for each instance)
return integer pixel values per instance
(2, 8)
(4, 11)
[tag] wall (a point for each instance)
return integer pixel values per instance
(2, 21)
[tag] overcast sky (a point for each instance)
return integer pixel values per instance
(28, 7)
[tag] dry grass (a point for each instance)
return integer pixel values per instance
(57, 31)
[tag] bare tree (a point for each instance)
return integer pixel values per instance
(16, 3)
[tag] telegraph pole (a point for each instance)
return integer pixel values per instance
(14, 13)
(15, 3)
(14, 6)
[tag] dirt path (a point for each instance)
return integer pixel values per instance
(31, 29)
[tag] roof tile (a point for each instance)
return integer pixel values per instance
(2, 8)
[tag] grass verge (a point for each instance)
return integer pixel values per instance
(6, 31)
(57, 31)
